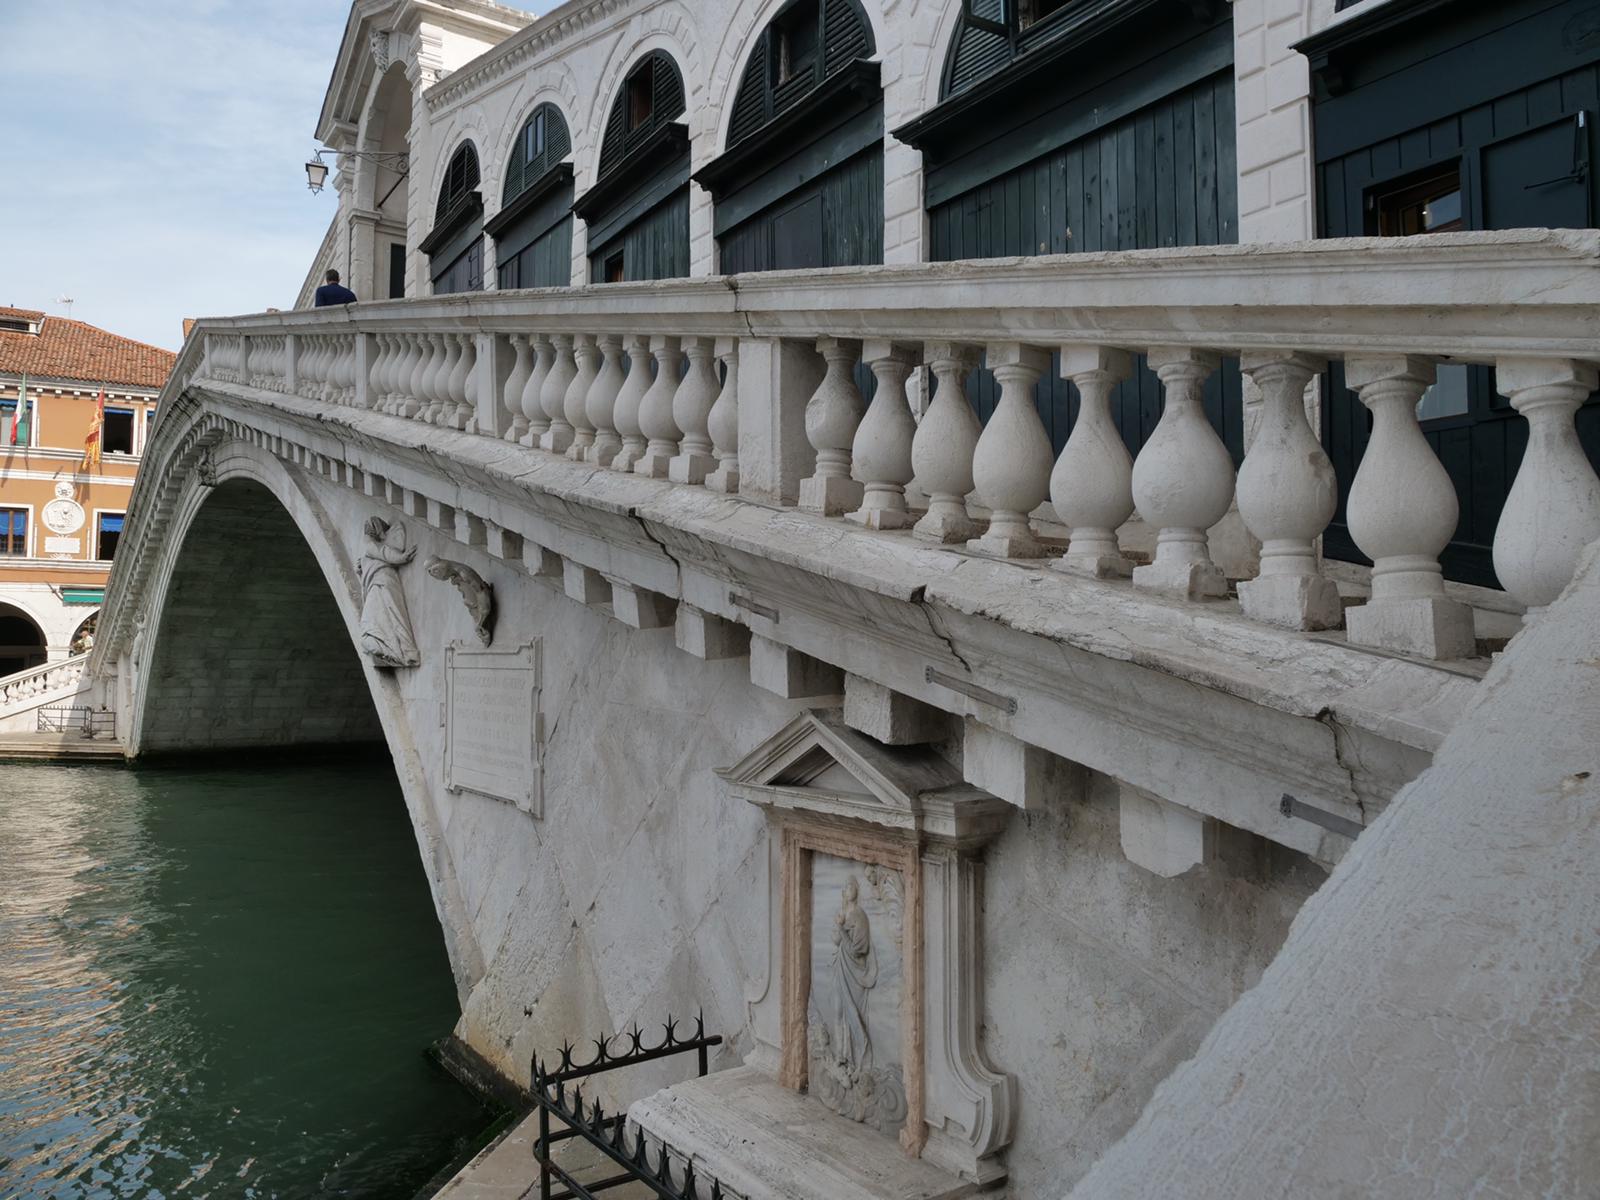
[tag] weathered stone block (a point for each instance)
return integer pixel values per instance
(791, 674)
(1161, 837)
(639, 608)
(706, 635)
(893, 718)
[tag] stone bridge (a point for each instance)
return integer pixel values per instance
(638, 715)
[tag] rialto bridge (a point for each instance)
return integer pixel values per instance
(825, 653)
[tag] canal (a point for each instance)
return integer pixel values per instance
(219, 983)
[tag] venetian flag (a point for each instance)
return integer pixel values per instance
(19, 419)
(91, 441)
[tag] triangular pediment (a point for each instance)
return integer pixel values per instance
(817, 763)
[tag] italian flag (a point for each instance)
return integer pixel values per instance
(19, 418)
(91, 441)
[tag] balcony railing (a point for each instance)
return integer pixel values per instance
(748, 384)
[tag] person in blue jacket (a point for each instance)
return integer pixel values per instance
(333, 292)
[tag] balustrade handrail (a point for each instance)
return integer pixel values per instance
(545, 369)
(1238, 297)
(36, 680)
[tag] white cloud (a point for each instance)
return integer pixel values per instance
(161, 144)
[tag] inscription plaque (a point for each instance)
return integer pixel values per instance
(494, 731)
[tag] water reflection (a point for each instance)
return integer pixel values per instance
(218, 984)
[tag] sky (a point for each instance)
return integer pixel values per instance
(154, 154)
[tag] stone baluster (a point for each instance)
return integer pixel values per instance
(410, 374)
(1553, 509)
(332, 370)
(691, 412)
(881, 451)
(832, 415)
(325, 360)
(432, 358)
(308, 367)
(395, 375)
(347, 368)
(1183, 481)
(511, 398)
(944, 444)
(419, 377)
(376, 365)
(576, 402)
(380, 373)
(1091, 487)
(313, 372)
(723, 421)
(461, 386)
(625, 413)
(420, 355)
(1402, 512)
(1011, 465)
(602, 400)
(1287, 494)
(443, 406)
(328, 370)
(563, 369)
(533, 394)
(655, 410)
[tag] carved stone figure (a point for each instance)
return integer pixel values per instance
(385, 622)
(842, 1071)
(476, 592)
(136, 652)
(855, 969)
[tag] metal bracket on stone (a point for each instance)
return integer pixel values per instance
(1332, 822)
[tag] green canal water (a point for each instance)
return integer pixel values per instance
(219, 983)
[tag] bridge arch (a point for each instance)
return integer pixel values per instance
(249, 641)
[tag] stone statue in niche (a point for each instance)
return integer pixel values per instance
(854, 1017)
(855, 970)
(385, 622)
(477, 593)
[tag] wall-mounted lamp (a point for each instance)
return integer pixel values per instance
(317, 170)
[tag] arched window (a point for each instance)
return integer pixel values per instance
(543, 143)
(638, 210)
(533, 230)
(806, 43)
(460, 179)
(650, 99)
(455, 246)
(801, 181)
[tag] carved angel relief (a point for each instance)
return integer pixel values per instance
(852, 1038)
(477, 593)
(386, 634)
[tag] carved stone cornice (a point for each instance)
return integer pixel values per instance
(547, 33)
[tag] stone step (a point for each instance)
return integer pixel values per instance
(766, 1142)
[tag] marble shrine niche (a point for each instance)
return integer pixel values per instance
(874, 941)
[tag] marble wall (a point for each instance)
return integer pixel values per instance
(645, 888)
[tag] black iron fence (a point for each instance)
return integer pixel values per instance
(81, 719)
(608, 1133)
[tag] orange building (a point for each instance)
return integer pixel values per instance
(60, 517)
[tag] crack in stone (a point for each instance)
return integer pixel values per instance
(936, 626)
(660, 545)
(1337, 730)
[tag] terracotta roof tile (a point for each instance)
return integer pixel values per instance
(67, 349)
(20, 314)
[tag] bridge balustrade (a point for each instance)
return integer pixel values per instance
(752, 385)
